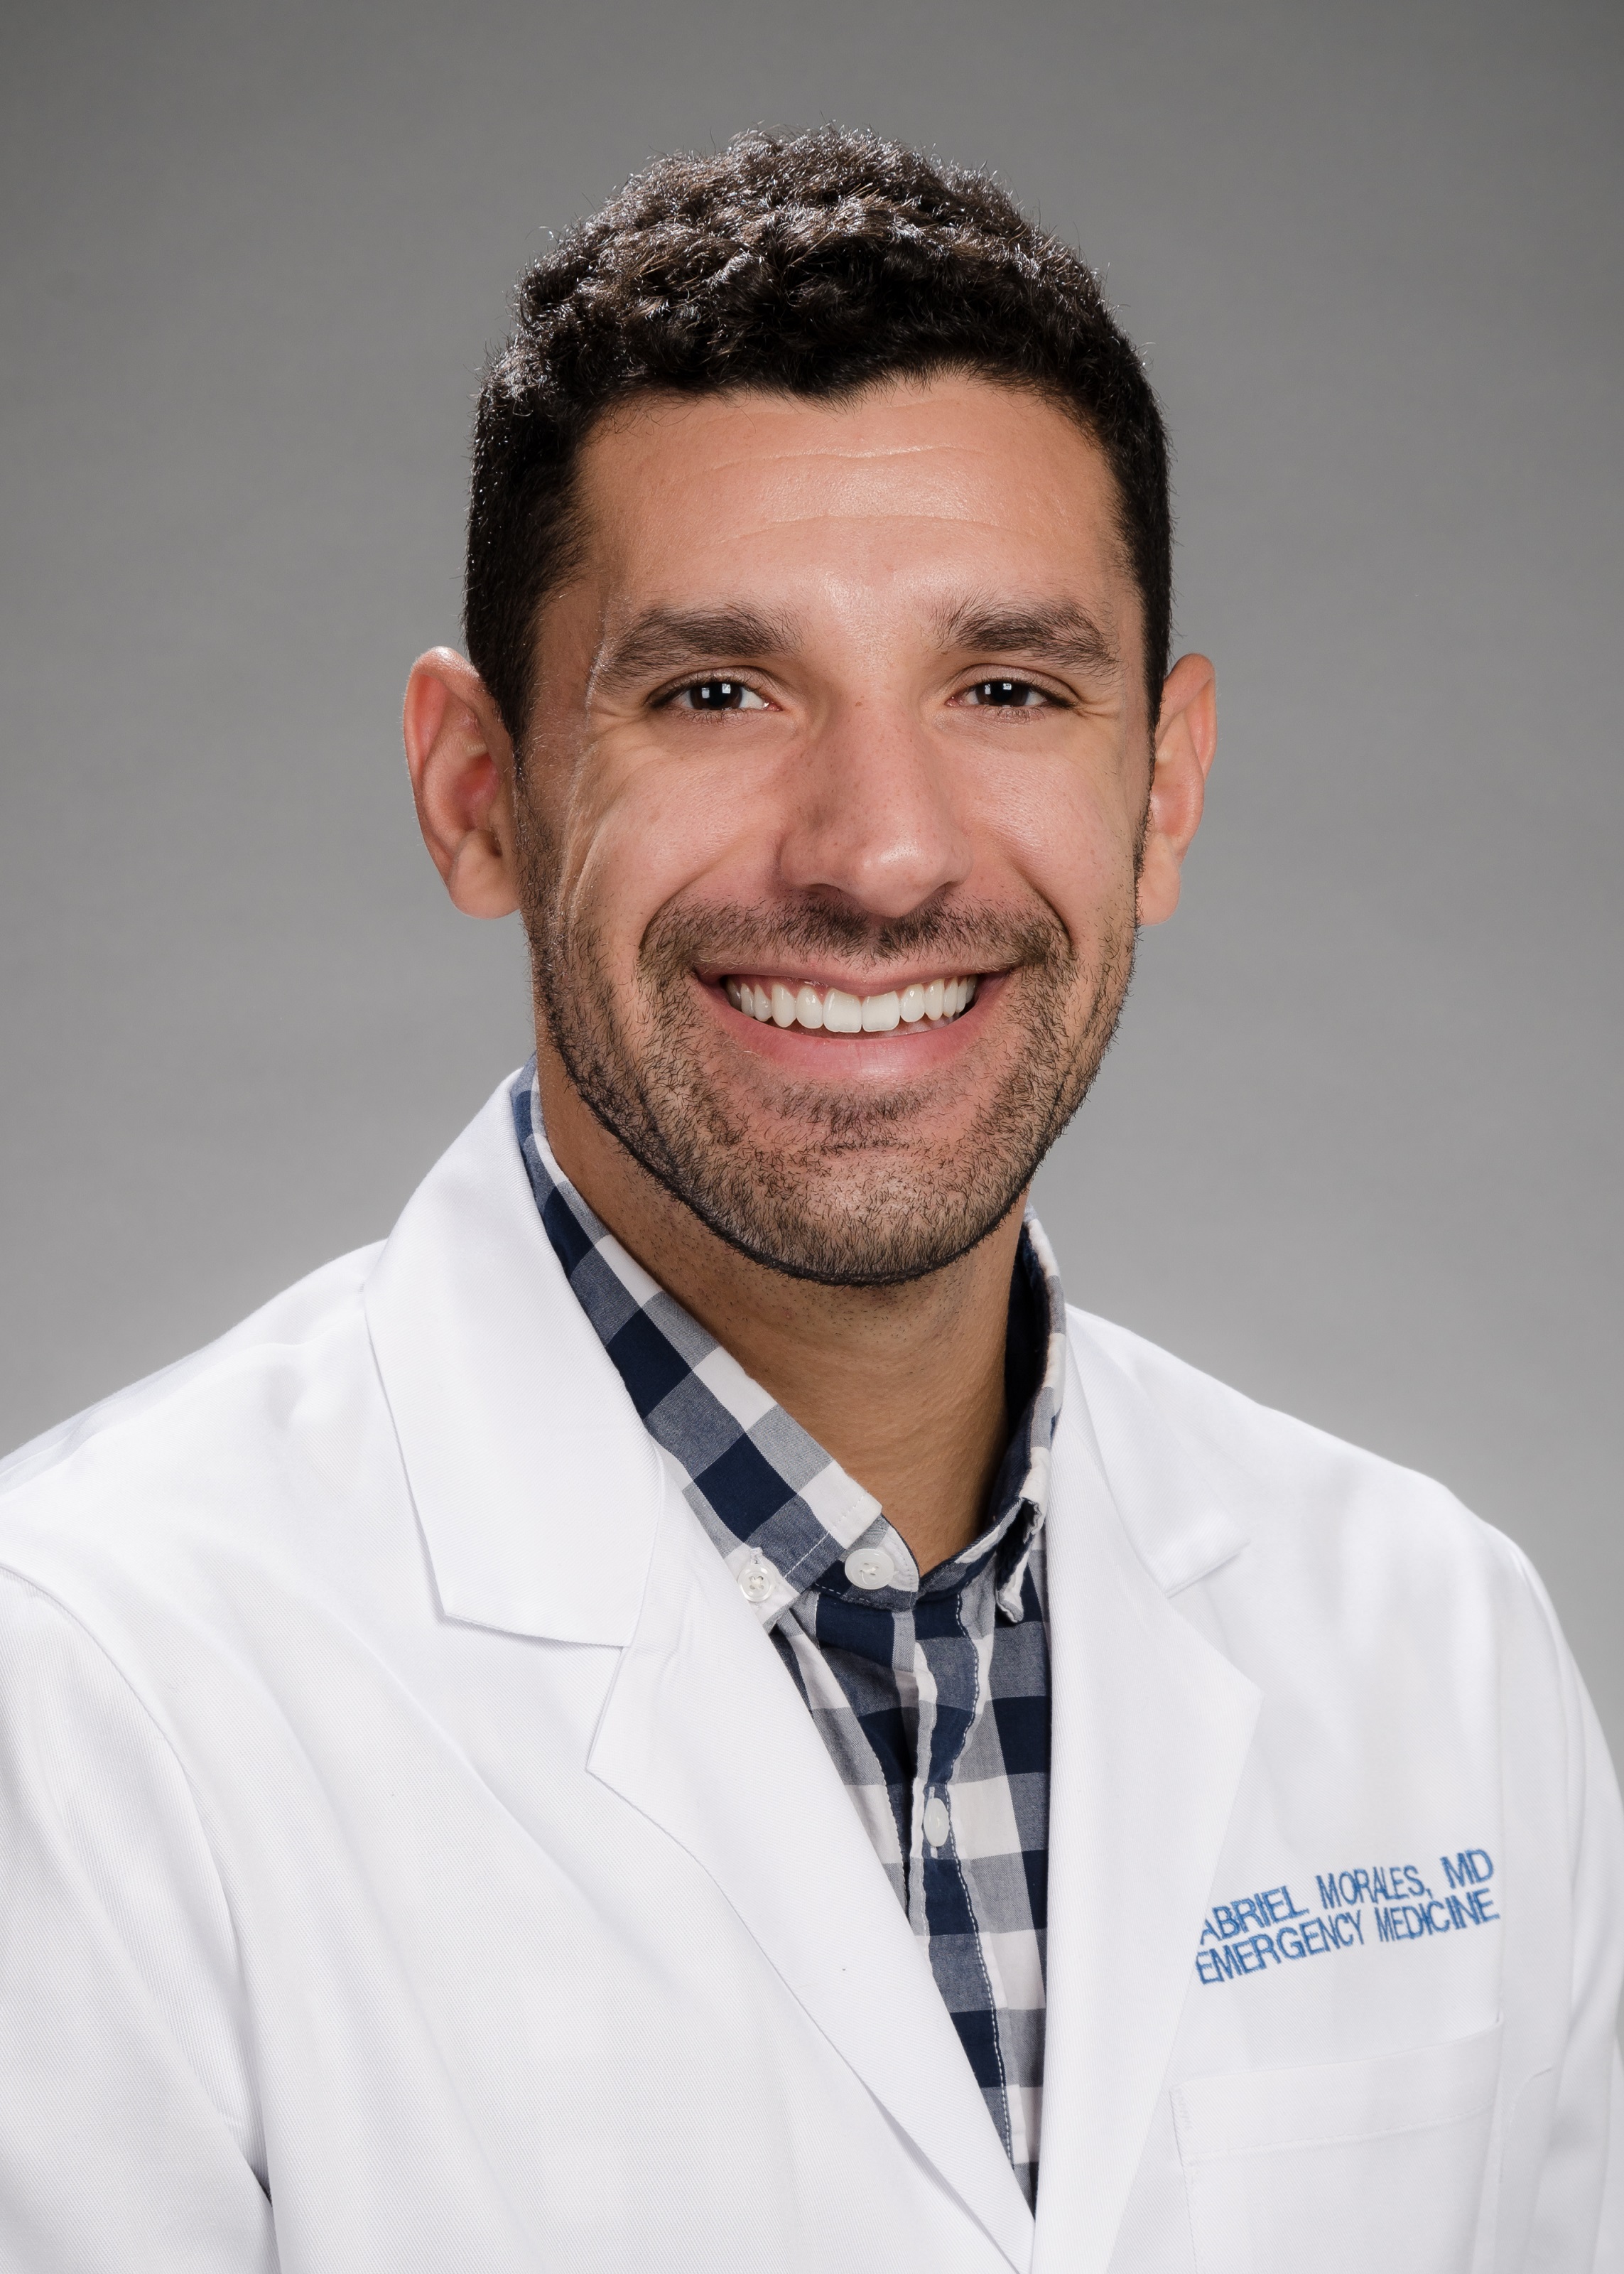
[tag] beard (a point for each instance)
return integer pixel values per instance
(846, 1190)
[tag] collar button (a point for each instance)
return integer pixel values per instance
(869, 1568)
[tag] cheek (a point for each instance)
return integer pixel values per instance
(1072, 839)
(642, 831)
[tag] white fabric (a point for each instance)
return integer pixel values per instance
(401, 1810)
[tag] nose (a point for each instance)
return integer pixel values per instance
(874, 819)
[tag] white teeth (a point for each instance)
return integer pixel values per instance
(781, 1005)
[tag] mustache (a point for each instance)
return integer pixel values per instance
(974, 938)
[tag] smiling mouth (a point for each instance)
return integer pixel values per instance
(831, 1010)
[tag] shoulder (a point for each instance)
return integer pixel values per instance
(1340, 1582)
(1313, 1508)
(211, 1449)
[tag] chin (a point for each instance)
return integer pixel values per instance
(878, 1230)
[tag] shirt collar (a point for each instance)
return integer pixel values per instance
(780, 1510)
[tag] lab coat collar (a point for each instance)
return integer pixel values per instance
(535, 1482)
(1183, 1503)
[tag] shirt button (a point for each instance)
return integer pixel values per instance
(938, 1823)
(869, 1568)
(755, 1581)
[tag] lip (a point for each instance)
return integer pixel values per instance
(851, 1057)
(823, 975)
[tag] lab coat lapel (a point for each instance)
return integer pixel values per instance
(536, 1485)
(1151, 1731)
(706, 1734)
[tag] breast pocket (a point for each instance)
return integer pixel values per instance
(1344, 2169)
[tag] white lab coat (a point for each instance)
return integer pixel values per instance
(414, 1856)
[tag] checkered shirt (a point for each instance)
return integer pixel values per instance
(930, 1692)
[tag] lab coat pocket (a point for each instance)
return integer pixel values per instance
(1343, 2168)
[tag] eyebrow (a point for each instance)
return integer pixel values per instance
(1057, 632)
(668, 639)
(661, 640)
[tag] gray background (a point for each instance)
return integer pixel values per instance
(1356, 1149)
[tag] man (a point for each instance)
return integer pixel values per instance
(685, 1712)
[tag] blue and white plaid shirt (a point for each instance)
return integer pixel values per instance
(931, 1693)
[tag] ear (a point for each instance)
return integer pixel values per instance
(1186, 741)
(461, 761)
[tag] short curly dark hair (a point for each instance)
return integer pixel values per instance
(810, 264)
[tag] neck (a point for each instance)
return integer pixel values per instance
(903, 1386)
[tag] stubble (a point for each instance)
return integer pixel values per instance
(848, 1189)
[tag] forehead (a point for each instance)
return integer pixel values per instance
(916, 488)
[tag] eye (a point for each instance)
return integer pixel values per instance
(717, 694)
(1006, 694)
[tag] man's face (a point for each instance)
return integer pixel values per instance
(842, 720)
